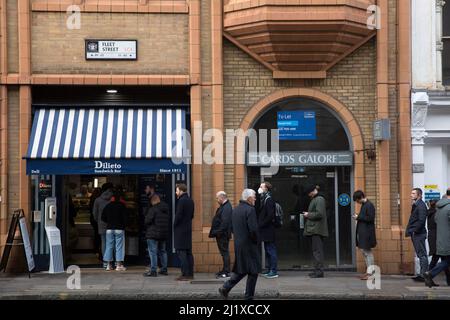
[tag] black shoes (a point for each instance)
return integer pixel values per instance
(163, 273)
(315, 275)
(429, 280)
(418, 279)
(150, 274)
(222, 275)
(223, 293)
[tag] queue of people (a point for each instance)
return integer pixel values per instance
(252, 224)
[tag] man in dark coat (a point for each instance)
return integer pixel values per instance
(157, 231)
(365, 230)
(266, 223)
(246, 249)
(221, 230)
(182, 228)
(316, 227)
(416, 230)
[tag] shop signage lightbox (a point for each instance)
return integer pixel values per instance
(344, 158)
(111, 49)
(103, 166)
(296, 125)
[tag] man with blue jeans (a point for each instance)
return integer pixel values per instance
(115, 242)
(416, 230)
(157, 231)
(442, 218)
(157, 249)
(115, 217)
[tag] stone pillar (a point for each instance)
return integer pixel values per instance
(439, 43)
(420, 101)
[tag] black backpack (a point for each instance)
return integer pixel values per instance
(278, 221)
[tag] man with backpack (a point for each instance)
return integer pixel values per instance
(266, 223)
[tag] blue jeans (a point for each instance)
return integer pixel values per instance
(271, 256)
(157, 248)
(442, 266)
(421, 251)
(115, 239)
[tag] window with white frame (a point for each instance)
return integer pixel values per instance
(446, 42)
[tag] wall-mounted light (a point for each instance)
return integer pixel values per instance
(111, 91)
(95, 183)
(371, 154)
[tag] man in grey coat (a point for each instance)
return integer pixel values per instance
(99, 204)
(247, 257)
(442, 218)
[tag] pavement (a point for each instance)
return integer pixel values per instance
(131, 285)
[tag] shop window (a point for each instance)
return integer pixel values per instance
(446, 42)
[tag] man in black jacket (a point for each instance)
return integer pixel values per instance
(221, 230)
(266, 223)
(416, 230)
(365, 231)
(182, 228)
(157, 231)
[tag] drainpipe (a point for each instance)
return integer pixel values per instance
(3, 114)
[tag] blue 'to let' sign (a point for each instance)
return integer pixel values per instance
(344, 200)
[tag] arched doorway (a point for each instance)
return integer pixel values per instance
(315, 148)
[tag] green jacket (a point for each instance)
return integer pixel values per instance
(316, 223)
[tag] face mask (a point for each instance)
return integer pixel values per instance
(260, 191)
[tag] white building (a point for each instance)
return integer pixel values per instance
(430, 106)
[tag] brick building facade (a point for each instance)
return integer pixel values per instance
(236, 61)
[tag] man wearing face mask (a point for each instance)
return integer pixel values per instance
(266, 223)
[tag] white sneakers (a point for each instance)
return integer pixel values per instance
(121, 268)
(118, 268)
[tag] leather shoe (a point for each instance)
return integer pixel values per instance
(223, 293)
(316, 275)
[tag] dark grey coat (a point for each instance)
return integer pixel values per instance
(266, 219)
(221, 224)
(417, 219)
(245, 231)
(365, 228)
(182, 225)
(157, 222)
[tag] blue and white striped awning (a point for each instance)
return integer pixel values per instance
(107, 134)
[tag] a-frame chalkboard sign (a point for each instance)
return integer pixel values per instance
(18, 218)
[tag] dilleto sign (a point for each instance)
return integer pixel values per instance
(296, 125)
(111, 49)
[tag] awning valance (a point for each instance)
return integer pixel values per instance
(89, 135)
